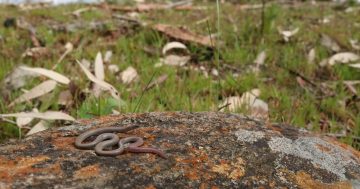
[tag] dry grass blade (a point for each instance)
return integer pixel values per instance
(49, 115)
(48, 73)
(102, 84)
(43, 88)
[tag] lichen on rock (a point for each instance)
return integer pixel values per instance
(204, 150)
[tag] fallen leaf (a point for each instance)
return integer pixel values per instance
(129, 75)
(23, 121)
(68, 48)
(99, 67)
(144, 7)
(355, 44)
(259, 61)
(174, 60)
(65, 98)
(157, 81)
(77, 13)
(250, 6)
(344, 57)
(48, 73)
(35, 52)
(214, 72)
(107, 57)
(86, 63)
(18, 78)
(113, 68)
(173, 45)
(311, 56)
(249, 100)
(49, 115)
(183, 34)
(101, 83)
(287, 34)
(355, 65)
(115, 112)
(40, 126)
(43, 88)
(99, 74)
(329, 43)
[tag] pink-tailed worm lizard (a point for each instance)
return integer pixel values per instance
(106, 138)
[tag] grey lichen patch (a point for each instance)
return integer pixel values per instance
(75, 127)
(334, 160)
(249, 136)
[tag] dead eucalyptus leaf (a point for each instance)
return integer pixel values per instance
(86, 63)
(113, 68)
(329, 43)
(107, 57)
(23, 121)
(311, 56)
(173, 45)
(161, 79)
(18, 78)
(355, 44)
(287, 34)
(115, 112)
(65, 98)
(49, 115)
(99, 74)
(214, 72)
(344, 58)
(48, 73)
(174, 60)
(99, 67)
(249, 100)
(106, 86)
(40, 126)
(68, 48)
(129, 75)
(355, 65)
(259, 61)
(43, 88)
(35, 52)
(183, 34)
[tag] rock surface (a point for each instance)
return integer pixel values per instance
(205, 150)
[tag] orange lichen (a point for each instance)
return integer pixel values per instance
(23, 166)
(304, 180)
(150, 187)
(235, 170)
(64, 143)
(203, 186)
(87, 172)
(196, 167)
(136, 168)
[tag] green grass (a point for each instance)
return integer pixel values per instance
(189, 90)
